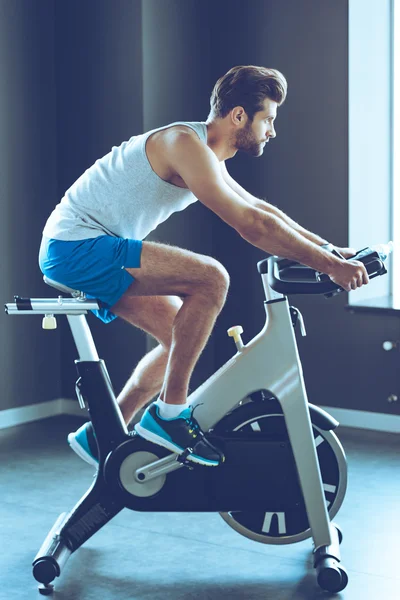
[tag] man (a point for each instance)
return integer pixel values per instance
(93, 241)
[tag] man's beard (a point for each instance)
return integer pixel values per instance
(247, 142)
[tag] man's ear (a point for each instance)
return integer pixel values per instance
(238, 115)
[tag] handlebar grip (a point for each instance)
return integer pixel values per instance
(373, 264)
(281, 280)
(290, 277)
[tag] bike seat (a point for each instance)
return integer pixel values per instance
(61, 287)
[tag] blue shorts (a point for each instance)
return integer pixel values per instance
(95, 266)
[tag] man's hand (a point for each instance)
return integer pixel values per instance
(349, 274)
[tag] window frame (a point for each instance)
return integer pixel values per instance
(395, 148)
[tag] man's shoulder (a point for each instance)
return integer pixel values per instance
(169, 149)
(180, 132)
(180, 138)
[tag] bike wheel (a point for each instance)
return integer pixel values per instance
(284, 522)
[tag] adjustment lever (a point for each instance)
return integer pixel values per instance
(298, 317)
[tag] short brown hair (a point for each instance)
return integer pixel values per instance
(247, 86)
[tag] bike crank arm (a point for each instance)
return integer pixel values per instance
(165, 465)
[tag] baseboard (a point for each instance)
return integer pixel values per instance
(42, 410)
(63, 406)
(360, 419)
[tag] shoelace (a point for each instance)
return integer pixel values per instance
(194, 427)
(196, 431)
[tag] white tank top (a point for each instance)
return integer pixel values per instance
(120, 195)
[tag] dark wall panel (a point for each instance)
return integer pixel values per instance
(99, 105)
(177, 83)
(344, 362)
(176, 61)
(308, 162)
(29, 358)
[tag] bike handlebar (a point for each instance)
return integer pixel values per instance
(290, 277)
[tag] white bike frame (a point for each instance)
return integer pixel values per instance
(270, 361)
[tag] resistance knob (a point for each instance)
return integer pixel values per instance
(236, 332)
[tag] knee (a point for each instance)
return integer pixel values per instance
(217, 281)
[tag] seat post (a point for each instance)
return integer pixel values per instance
(83, 338)
(95, 390)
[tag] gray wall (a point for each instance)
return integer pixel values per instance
(123, 67)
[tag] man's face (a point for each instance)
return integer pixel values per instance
(253, 136)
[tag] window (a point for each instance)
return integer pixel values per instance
(374, 206)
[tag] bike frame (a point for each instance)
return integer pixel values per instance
(270, 361)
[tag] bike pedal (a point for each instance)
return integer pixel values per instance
(182, 458)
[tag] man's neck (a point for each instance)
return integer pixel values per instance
(219, 139)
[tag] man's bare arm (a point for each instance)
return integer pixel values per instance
(199, 167)
(263, 205)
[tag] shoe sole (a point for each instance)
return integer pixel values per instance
(77, 448)
(152, 437)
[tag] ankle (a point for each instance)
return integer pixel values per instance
(170, 411)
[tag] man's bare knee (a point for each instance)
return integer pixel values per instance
(153, 314)
(216, 282)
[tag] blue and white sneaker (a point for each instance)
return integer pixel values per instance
(178, 434)
(83, 442)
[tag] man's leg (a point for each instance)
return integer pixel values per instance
(154, 315)
(144, 384)
(202, 283)
(183, 331)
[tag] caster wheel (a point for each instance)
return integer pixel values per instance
(46, 589)
(331, 577)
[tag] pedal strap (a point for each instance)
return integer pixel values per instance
(183, 458)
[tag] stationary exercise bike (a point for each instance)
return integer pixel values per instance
(285, 473)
